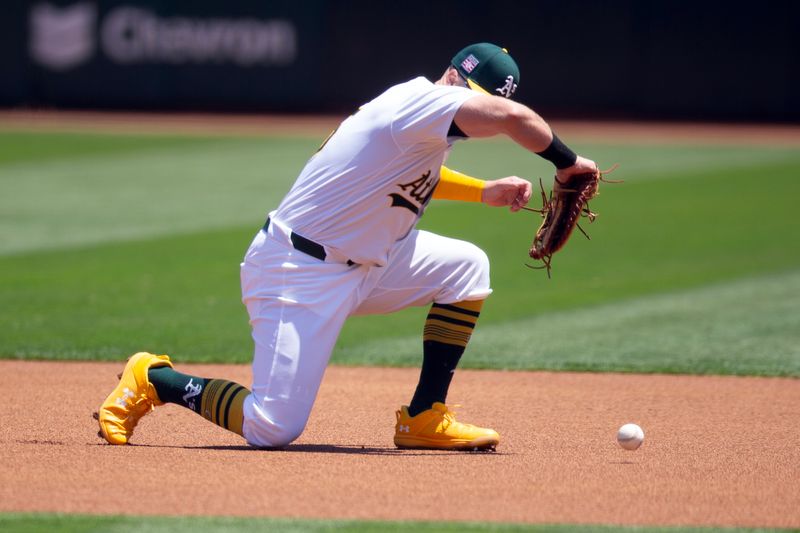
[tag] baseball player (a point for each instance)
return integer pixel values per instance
(343, 242)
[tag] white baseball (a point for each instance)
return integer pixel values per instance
(630, 436)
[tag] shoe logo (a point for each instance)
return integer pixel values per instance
(192, 390)
(126, 395)
(404, 429)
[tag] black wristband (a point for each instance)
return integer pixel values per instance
(558, 154)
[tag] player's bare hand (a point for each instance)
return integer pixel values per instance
(511, 191)
(581, 166)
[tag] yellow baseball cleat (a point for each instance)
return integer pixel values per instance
(133, 398)
(437, 429)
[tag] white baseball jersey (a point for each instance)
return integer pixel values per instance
(369, 184)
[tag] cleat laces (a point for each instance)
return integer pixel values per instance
(136, 408)
(449, 419)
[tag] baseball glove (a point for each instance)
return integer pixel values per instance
(568, 202)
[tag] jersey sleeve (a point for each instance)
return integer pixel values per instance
(426, 116)
(454, 185)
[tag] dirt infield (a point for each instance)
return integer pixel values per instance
(718, 451)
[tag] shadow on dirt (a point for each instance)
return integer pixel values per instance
(319, 448)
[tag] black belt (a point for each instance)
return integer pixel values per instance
(307, 246)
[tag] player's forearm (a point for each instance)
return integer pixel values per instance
(454, 185)
(526, 128)
(531, 131)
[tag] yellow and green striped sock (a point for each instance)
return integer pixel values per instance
(217, 400)
(452, 323)
(223, 404)
(448, 329)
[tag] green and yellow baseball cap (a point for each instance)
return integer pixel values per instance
(488, 68)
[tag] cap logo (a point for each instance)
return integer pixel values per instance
(508, 89)
(469, 63)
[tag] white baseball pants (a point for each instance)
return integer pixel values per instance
(298, 304)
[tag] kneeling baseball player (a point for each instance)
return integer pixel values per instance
(343, 242)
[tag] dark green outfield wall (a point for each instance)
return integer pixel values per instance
(684, 59)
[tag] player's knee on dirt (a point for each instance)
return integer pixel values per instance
(272, 435)
(273, 424)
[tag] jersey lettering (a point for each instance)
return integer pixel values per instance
(419, 187)
(421, 190)
(398, 200)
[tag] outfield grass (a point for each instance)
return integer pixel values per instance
(66, 191)
(111, 244)
(30, 523)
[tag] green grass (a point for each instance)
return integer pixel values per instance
(132, 187)
(114, 244)
(20, 147)
(29, 523)
(746, 327)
